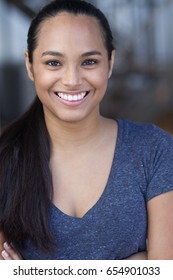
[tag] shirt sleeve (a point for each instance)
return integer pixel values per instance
(160, 167)
(160, 164)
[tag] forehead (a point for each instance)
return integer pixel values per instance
(70, 29)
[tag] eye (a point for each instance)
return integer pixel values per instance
(53, 63)
(89, 62)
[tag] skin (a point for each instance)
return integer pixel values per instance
(73, 73)
(80, 136)
(7, 252)
(75, 129)
(160, 227)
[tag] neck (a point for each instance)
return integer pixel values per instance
(68, 135)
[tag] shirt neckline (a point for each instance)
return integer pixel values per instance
(106, 190)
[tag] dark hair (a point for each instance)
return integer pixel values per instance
(25, 177)
(76, 7)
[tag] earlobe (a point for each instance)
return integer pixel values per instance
(111, 63)
(29, 66)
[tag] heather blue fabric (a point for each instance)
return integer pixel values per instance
(116, 226)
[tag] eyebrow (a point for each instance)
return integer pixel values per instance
(91, 53)
(55, 53)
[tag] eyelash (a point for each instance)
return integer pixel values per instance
(87, 62)
(53, 63)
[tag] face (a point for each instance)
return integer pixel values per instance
(70, 67)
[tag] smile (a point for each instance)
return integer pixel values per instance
(72, 97)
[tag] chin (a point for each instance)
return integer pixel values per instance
(71, 118)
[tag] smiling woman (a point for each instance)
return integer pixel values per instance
(75, 73)
(68, 189)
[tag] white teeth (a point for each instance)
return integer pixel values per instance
(65, 96)
(70, 97)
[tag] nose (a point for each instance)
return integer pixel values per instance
(72, 77)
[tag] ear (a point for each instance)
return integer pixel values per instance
(29, 66)
(111, 63)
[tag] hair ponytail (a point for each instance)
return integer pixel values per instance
(25, 179)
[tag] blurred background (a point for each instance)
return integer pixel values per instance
(141, 88)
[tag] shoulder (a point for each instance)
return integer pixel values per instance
(150, 151)
(139, 127)
(144, 133)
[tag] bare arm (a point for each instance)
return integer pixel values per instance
(138, 256)
(160, 227)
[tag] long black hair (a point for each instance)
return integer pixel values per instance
(25, 177)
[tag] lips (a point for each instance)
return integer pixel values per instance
(72, 97)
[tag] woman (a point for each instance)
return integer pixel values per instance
(73, 184)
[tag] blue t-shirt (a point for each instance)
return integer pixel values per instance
(116, 226)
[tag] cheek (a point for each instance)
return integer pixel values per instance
(102, 81)
(44, 80)
(99, 79)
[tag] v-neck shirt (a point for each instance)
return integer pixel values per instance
(115, 227)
